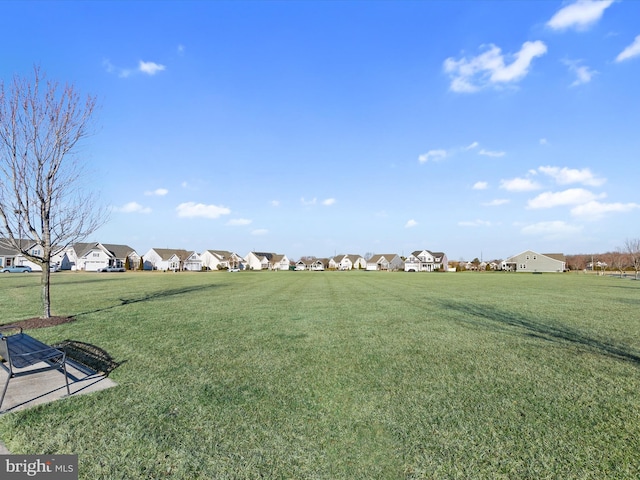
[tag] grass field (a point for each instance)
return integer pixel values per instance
(343, 375)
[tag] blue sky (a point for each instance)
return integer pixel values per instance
(477, 128)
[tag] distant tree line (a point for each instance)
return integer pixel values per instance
(622, 259)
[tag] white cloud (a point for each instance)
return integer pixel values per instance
(475, 223)
(595, 210)
(489, 68)
(489, 153)
(496, 203)
(328, 202)
(192, 209)
(275, 203)
(631, 51)
(583, 73)
(133, 207)
(480, 186)
(313, 201)
(543, 141)
(472, 146)
(565, 176)
(572, 196)
(519, 185)
(411, 223)
(579, 15)
(260, 231)
(238, 222)
(552, 230)
(432, 155)
(150, 68)
(160, 192)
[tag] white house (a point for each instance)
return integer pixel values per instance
(193, 263)
(388, 261)
(221, 259)
(347, 262)
(93, 256)
(530, 261)
(266, 261)
(426, 261)
(165, 259)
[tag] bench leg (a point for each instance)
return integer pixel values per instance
(4, 391)
(66, 378)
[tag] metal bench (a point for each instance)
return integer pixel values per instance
(20, 352)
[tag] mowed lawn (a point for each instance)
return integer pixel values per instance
(343, 375)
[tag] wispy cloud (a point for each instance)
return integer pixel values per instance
(147, 68)
(475, 223)
(631, 51)
(491, 153)
(275, 203)
(552, 230)
(159, 192)
(470, 75)
(496, 203)
(579, 15)
(583, 73)
(238, 222)
(433, 156)
(519, 185)
(259, 232)
(133, 207)
(410, 224)
(200, 210)
(326, 202)
(572, 196)
(480, 186)
(595, 210)
(566, 176)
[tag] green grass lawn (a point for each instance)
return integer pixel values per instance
(343, 375)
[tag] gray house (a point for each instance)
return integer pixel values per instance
(530, 261)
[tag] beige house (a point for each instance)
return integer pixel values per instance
(533, 262)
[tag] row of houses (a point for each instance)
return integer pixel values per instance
(96, 256)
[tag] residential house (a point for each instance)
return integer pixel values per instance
(426, 261)
(91, 257)
(266, 261)
(221, 260)
(166, 259)
(530, 261)
(347, 262)
(388, 262)
(192, 263)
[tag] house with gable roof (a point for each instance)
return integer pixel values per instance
(388, 262)
(347, 262)
(221, 260)
(91, 257)
(426, 261)
(166, 259)
(533, 262)
(266, 261)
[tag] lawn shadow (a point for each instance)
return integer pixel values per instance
(507, 322)
(90, 356)
(153, 296)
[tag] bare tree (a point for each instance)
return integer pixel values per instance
(41, 176)
(632, 246)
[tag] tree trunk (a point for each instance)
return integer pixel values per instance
(45, 283)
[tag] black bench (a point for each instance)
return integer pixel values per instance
(20, 351)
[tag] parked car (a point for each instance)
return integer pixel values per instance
(112, 269)
(16, 269)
